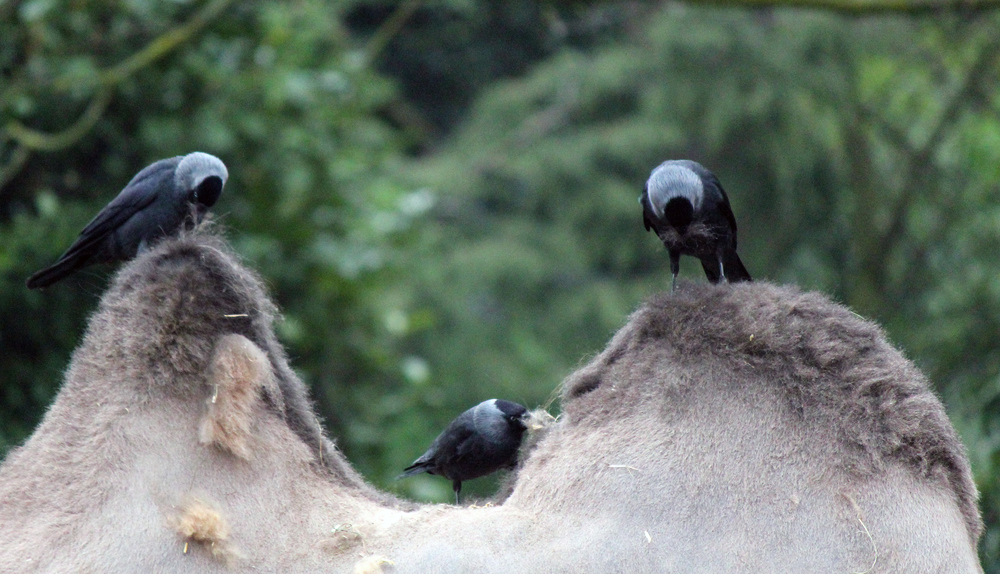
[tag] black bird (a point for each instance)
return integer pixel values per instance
(480, 441)
(156, 203)
(685, 205)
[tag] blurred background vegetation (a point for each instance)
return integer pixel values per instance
(442, 194)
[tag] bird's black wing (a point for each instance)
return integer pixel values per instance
(443, 451)
(470, 444)
(724, 208)
(648, 217)
(462, 441)
(732, 266)
(130, 201)
(140, 192)
(727, 212)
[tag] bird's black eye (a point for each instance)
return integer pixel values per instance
(208, 191)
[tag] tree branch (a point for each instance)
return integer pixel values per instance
(385, 33)
(10, 169)
(39, 141)
(162, 44)
(28, 139)
(159, 47)
(920, 160)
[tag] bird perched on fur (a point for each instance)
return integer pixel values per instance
(156, 203)
(479, 441)
(685, 205)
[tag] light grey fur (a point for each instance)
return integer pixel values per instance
(670, 180)
(740, 428)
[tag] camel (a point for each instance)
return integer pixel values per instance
(725, 428)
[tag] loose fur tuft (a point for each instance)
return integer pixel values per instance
(201, 523)
(539, 419)
(835, 369)
(238, 374)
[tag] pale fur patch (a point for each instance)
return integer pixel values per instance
(372, 565)
(201, 523)
(238, 372)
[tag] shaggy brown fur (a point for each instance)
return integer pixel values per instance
(188, 304)
(835, 370)
(162, 304)
(776, 433)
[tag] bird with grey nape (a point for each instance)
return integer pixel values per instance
(159, 200)
(480, 441)
(685, 205)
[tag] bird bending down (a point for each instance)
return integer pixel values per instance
(479, 441)
(685, 205)
(156, 203)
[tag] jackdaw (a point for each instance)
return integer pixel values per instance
(156, 203)
(480, 441)
(685, 205)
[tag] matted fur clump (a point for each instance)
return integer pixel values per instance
(834, 368)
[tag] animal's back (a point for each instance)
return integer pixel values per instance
(756, 428)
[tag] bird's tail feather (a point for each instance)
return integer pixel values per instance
(54, 272)
(412, 470)
(733, 268)
(711, 267)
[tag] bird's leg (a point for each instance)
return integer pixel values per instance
(456, 485)
(722, 271)
(675, 267)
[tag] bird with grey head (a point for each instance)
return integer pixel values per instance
(480, 441)
(159, 200)
(685, 205)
